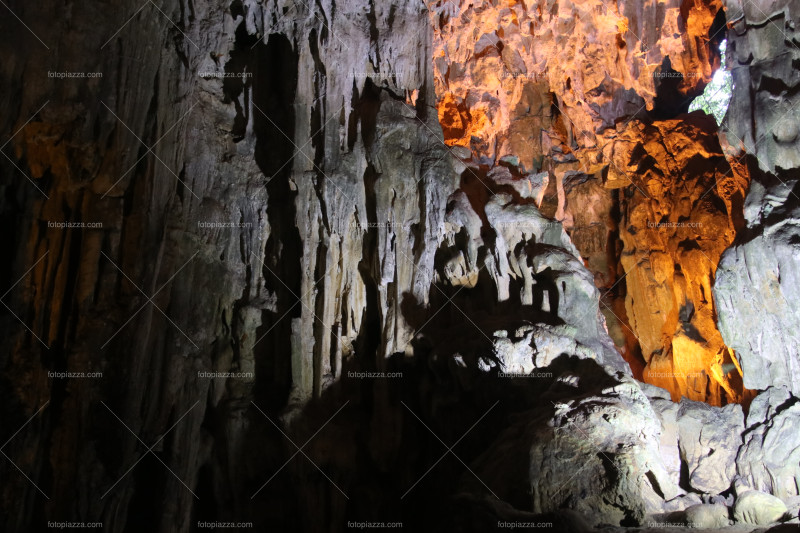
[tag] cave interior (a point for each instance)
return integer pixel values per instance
(433, 266)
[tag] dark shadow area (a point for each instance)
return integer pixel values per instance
(274, 86)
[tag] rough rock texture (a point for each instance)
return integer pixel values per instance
(682, 214)
(757, 281)
(709, 439)
(531, 263)
(497, 62)
(285, 211)
(577, 92)
(596, 454)
(769, 461)
(279, 208)
(711, 516)
(667, 412)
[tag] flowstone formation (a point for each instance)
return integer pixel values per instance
(684, 212)
(291, 196)
(588, 100)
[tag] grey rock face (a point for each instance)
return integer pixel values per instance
(532, 264)
(285, 209)
(597, 454)
(667, 412)
(701, 439)
(709, 438)
(625, 442)
(769, 460)
(757, 279)
(763, 45)
(515, 355)
(755, 291)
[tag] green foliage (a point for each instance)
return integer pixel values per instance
(717, 94)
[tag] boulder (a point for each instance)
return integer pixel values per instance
(707, 515)
(594, 450)
(759, 508)
(709, 438)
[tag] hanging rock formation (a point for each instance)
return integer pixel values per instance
(291, 199)
(501, 68)
(577, 90)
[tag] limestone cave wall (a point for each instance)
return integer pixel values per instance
(278, 257)
(590, 100)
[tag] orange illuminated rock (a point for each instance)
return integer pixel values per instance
(572, 89)
(502, 68)
(678, 216)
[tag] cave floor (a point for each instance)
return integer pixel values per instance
(787, 527)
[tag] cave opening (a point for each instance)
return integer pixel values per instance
(717, 94)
